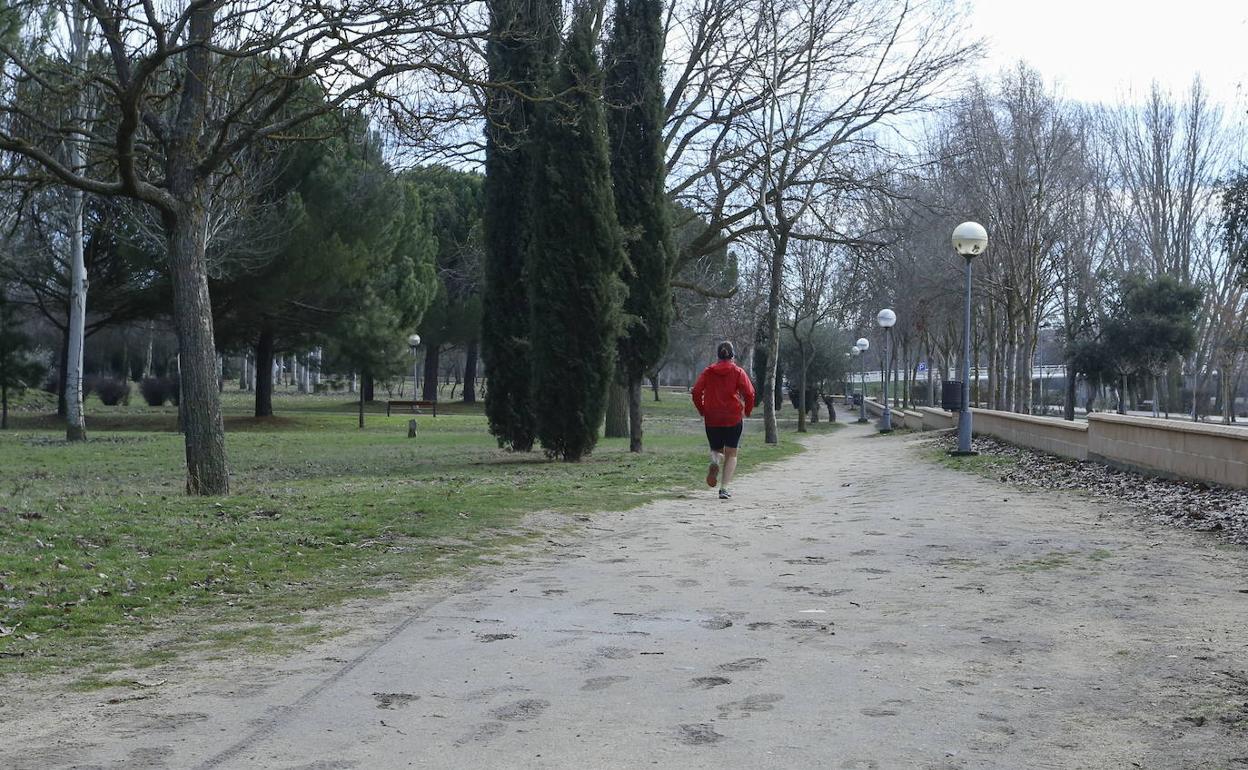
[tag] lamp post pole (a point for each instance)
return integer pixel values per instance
(1044, 407)
(969, 239)
(886, 318)
(862, 346)
(886, 419)
(1195, 417)
(964, 416)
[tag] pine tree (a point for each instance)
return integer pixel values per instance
(634, 91)
(575, 254)
(524, 36)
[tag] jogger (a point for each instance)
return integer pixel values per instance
(724, 396)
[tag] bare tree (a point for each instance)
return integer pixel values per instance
(815, 294)
(185, 90)
(752, 81)
(1019, 159)
(1093, 239)
(830, 76)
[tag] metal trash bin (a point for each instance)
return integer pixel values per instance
(951, 396)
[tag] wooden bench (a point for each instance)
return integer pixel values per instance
(414, 406)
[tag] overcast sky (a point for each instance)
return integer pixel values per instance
(1102, 50)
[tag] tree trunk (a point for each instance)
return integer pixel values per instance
(634, 414)
(177, 373)
(801, 396)
(75, 419)
(772, 383)
(301, 372)
(264, 363)
(367, 387)
(206, 465)
(617, 411)
(186, 233)
(1228, 395)
(151, 344)
(430, 390)
(654, 384)
(470, 372)
(1071, 390)
(931, 383)
(369, 380)
(62, 377)
(4, 405)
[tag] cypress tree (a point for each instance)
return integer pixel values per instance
(575, 253)
(634, 90)
(524, 36)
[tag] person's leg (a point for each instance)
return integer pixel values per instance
(732, 439)
(717, 447)
(730, 466)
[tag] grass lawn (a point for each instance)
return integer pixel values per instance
(99, 546)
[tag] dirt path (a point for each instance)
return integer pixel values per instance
(934, 620)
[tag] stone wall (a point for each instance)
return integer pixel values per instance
(1217, 454)
(1058, 437)
(902, 418)
(1214, 454)
(937, 419)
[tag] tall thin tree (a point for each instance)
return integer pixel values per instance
(524, 37)
(635, 119)
(575, 252)
(76, 422)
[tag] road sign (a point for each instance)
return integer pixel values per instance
(922, 367)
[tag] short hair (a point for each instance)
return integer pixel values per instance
(725, 351)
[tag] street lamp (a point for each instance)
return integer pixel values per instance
(969, 239)
(1195, 367)
(413, 342)
(1213, 373)
(886, 319)
(1044, 402)
(860, 349)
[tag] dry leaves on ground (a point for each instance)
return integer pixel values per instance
(1182, 503)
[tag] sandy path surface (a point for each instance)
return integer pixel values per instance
(935, 620)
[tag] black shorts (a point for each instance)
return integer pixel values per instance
(724, 437)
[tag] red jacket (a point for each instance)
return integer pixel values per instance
(723, 395)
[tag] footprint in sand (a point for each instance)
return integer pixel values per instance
(751, 704)
(707, 682)
(697, 735)
(520, 711)
(393, 700)
(602, 682)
